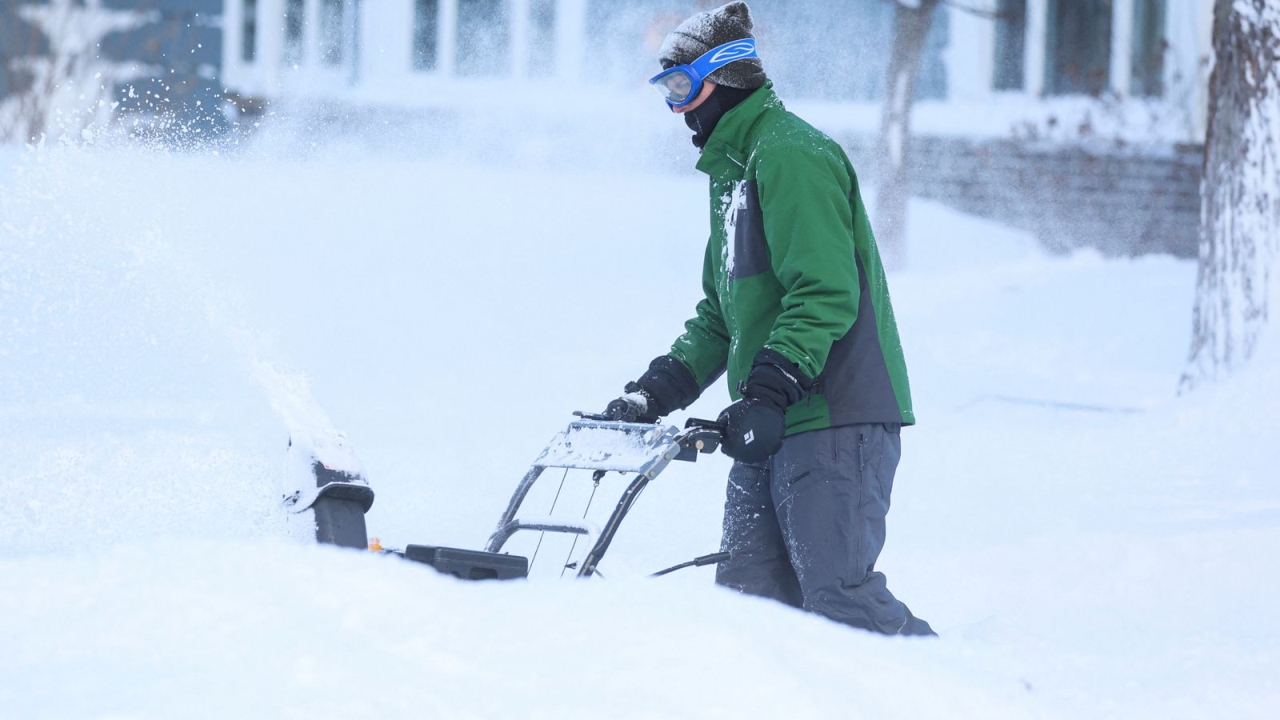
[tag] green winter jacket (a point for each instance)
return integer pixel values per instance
(791, 265)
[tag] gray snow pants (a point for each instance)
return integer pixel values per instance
(805, 528)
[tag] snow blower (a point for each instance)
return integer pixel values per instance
(326, 494)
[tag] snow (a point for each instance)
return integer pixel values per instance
(1087, 543)
(622, 449)
(402, 642)
(731, 203)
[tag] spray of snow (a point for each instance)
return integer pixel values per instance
(117, 342)
(286, 388)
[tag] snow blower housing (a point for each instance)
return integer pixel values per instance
(326, 494)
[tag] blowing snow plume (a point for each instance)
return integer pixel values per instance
(137, 402)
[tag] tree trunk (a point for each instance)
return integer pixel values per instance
(1239, 280)
(910, 28)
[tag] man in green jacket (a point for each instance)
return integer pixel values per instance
(797, 311)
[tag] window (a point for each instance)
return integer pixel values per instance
(426, 28)
(1011, 36)
(542, 37)
(332, 38)
(294, 18)
(1079, 47)
(1146, 77)
(484, 37)
(249, 36)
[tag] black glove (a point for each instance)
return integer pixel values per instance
(756, 424)
(665, 387)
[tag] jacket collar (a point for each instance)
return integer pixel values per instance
(725, 155)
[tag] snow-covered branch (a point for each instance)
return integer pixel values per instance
(70, 83)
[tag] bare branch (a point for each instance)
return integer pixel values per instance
(962, 7)
(983, 12)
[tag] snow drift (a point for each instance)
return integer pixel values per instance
(1086, 543)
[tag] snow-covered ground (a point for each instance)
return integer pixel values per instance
(1088, 544)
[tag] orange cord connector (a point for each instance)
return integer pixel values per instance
(375, 545)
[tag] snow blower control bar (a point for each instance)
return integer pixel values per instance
(598, 443)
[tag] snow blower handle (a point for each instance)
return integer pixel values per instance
(699, 436)
(622, 409)
(710, 427)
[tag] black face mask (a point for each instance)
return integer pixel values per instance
(703, 120)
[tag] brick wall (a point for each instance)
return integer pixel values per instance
(1119, 201)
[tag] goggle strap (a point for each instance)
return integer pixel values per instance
(721, 55)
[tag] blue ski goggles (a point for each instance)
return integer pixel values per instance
(681, 84)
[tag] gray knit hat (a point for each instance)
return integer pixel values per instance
(710, 29)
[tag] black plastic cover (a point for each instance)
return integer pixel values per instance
(470, 564)
(340, 520)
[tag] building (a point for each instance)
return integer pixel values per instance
(1150, 54)
(1079, 119)
(1082, 120)
(1018, 55)
(398, 52)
